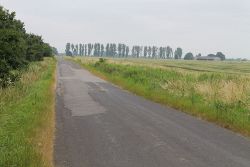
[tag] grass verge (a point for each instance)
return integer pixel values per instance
(27, 118)
(222, 98)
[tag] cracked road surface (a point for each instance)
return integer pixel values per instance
(100, 125)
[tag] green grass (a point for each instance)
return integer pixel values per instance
(229, 67)
(215, 92)
(26, 118)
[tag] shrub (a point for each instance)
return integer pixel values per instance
(17, 48)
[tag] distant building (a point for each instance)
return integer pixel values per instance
(208, 58)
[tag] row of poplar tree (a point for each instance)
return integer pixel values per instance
(123, 51)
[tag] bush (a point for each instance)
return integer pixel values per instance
(17, 48)
(102, 60)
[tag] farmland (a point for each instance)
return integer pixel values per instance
(214, 91)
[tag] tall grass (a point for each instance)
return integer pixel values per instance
(220, 97)
(27, 118)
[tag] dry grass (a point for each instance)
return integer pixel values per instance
(46, 133)
(229, 92)
(27, 118)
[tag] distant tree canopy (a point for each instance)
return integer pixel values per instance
(119, 50)
(178, 53)
(218, 54)
(17, 48)
(54, 51)
(198, 55)
(189, 56)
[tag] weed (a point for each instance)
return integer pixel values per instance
(26, 114)
(221, 96)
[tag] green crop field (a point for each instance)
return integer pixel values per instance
(215, 91)
(229, 67)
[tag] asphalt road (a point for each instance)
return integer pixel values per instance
(100, 125)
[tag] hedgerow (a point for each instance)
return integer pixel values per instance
(17, 48)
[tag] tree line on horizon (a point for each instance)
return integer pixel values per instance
(18, 48)
(121, 50)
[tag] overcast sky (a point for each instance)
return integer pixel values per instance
(199, 26)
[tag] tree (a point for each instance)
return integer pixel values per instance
(107, 50)
(54, 51)
(113, 50)
(76, 50)
(119, 50)
(189, 56)
(133, 52)
(67, 50)
(72, 47)
(17, 48)
(35, 50)
(8, 21)
(102, 50)
(149, 51)
(85, 49)
(154, 52)
(12, 48)
(164, 52)
(169, 52)
(137, 51)
(12, 40)
(80, 49)
(123, 50)
(127, 51)
(90, 48)
(220, 55)
(141, 51)
(198, 55)
(178, 53)
(161, 52)
(145, 51)
(47, 50)
(95, 49)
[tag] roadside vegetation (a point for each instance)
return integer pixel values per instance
(27, 81)
(18, 48)
(27, 118)
(215, 91)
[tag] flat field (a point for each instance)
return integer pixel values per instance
(214, 91)
(229, 67)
